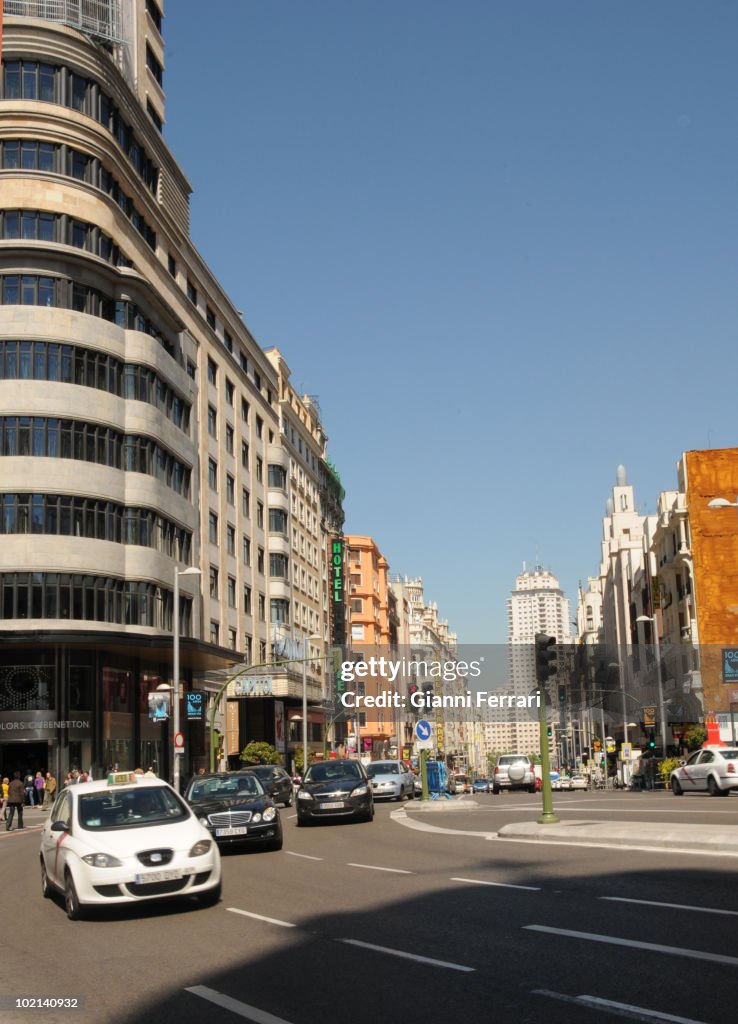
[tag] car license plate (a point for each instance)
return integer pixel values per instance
(334, 806)
(241, 830)
(158, 876)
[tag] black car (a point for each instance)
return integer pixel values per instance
(335, 789)
(234, 807)
(275, 781)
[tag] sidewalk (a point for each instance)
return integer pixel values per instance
(722, 839)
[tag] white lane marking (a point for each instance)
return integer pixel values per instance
(502, 885)
(653, 947)
(672, 906)
(374, 867)
(235, 1006)
(408, 956)
(305, 856)
(620, 1009)
(260, 917)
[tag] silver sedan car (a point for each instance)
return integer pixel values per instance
(392, 780)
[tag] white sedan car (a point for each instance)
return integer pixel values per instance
(126, 839)
(578, 782)
(712, 770)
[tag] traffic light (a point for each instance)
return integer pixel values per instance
(562, 695)
(545, 657)
(428, 695)
(412, 689)
(549, 732)
(651, 741)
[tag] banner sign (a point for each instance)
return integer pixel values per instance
(159, 706)
(252, 686)
(730, 664)
(195, 706)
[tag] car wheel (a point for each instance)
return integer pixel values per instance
(411, 794)
(676, 788)
(712, 786)
(301, 822)
(288, 802)
(211, 897)
(496, 790)
(71, 899)
(531, 789)
(45, 886)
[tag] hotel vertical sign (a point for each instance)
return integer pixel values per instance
(338, 598)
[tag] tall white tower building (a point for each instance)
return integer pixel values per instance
(536, 605)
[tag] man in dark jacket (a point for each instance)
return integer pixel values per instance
(16, 796)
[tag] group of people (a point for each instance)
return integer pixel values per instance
(34, 790)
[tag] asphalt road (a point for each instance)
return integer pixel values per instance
(413, 918)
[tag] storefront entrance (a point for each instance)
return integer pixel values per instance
(24, 757)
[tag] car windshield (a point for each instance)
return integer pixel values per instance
(225, 788)
(333, 773)
(380, 768)
(116, 809)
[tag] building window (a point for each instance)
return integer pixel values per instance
(246, 550)
(231, 592)
(277, 476)
(172, 265)
(260, 515)
(279, 610)
(228, 342)
(246, 503)
(212, 372)
(213, 474)
(247, 600)
(357, 605)
(154, 66)
(212, 421)
(191, 292)
(244, 410)
(232, 639)
(214, 632)
(277, 520)
(260, 561)
(262, 609)
(212, 528)
(210, 317)
(259, 427)
(213, 582)
(231, 540)
(244, 454)
(229, 391)
(278, 566)
(259, 469)
(230, 490)
(229, 439)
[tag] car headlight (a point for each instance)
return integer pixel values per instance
(201, 847)
(256, 818)
(270, 814)
(102, 860)
(360, 791)
(304, 795)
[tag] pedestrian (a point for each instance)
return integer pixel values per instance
(16, 796)
(4, 797)
(49, 789)
(29, 788)
(38, 785)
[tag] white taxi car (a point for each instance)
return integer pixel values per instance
(712, 769)
(126, 839)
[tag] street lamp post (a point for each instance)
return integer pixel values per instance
(657, 652)
(176, 754)
(305, 656)
(621, 681)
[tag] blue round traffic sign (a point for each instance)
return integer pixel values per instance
(423, 730)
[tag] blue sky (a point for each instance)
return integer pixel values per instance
(497, 240)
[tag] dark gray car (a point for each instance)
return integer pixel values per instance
(275, 781)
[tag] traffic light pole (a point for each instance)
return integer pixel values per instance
(548, 817)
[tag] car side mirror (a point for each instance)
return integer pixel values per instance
(682, 763)
(59, 826)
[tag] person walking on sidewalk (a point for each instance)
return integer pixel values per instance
(16, 797)
(49, 789)
(4, 797)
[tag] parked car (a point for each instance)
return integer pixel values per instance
(514, 771)
(712, 770)
(126, 839)
(235, 808)
(392, 780)
(335, 789)
(481, 786)
(578, 782)
(460, 783)
(275, 781)
(565, 782)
